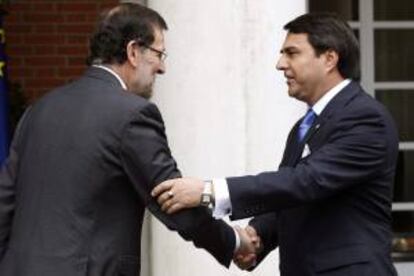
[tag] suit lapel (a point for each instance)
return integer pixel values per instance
(294, 149)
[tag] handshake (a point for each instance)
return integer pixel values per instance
(182, 193)
(250, 245)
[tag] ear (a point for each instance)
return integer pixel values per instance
(331, 60)
(133, 53)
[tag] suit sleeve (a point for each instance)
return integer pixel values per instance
(147, 161)
(7, 188)
(361, 148)
(7, 197)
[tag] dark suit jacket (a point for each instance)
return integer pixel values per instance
(329, 212)
(73, 192)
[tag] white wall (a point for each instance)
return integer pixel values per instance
(225, 106)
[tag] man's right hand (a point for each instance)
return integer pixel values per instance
(250, 246)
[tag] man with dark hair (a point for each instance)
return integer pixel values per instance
(85, 158)
(328, 207)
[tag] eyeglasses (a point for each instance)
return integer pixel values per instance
(162, 55)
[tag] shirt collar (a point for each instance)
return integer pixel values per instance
(320, 105)
(114, 74)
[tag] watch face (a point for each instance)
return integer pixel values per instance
(205, 200)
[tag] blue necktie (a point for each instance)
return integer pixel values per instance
(306, 124)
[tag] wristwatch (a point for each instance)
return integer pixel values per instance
(207, 197)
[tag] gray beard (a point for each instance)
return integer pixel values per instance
(145, 92)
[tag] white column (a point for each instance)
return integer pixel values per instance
(225, 106)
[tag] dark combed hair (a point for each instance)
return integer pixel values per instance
(117, 27)
(326, 31)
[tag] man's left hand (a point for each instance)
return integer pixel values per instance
(176, 194)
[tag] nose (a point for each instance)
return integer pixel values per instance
(281, 63)
(161, 68)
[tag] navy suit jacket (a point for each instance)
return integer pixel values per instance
(329, 212)
(73, 192)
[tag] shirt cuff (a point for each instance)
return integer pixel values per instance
(222, 205)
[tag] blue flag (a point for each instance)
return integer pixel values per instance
(4, 99)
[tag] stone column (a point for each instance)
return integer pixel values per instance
(225, 106)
